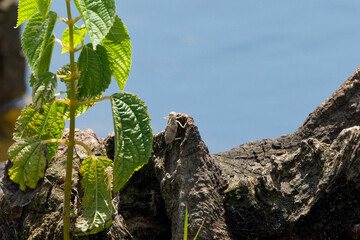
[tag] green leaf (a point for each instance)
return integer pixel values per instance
(118, 46)
(37, 41)
(48, 124)
(96, 203)
(133, 136)
(44, 7)
(95, 72)
(45, 57)
(98, 16)
(29, 162)
(27, 8)
(78, 36)
(44, 89)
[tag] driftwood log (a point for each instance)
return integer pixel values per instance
(304, 185)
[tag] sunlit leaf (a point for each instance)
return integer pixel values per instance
(44, 7)
(29, 162)
(48, 124)
(118, 46)
(133, 136)
(27, 8)
(96, 202)
(78, 37)
(98, 16)
(95, 72)
(37, 40)
(44, 89)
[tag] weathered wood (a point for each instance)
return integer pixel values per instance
(304, 185)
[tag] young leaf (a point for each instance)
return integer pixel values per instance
(44, 7)
(118, 46)
(44, 89)
(98, 16)
(29, 162)
(96, 202)
(27, 8)
(95, 72)
(133, 136)
(65, 73)
(45, 125)
(36, 38)
(78, 36)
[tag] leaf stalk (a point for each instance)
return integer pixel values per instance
(67, 142)
(60, 42)
(75, 20)
(67, 102)
(63, 20)
(88, 150)
(55, 140)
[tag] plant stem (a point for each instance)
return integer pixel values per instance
(70, 153)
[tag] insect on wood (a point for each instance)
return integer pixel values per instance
(171, 128)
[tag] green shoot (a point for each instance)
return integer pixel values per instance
(186, 226)
(40, 127)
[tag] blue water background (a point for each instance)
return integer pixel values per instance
(244, 70)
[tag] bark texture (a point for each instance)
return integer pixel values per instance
(304, 185)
